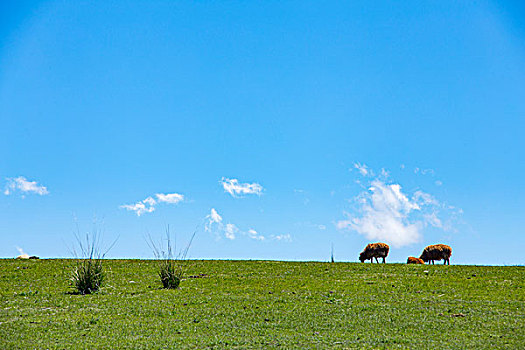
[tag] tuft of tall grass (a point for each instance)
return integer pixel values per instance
(170, 274)
(170, 268)
(88, 274)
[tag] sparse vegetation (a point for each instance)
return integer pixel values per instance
(88, 274)
(170, 274)
(170, 268)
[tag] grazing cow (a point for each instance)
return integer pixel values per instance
(413, 260)
(374, 250)
(437, 252)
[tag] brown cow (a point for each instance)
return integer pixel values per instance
(374, 250)
(413, 260)
(437, 252)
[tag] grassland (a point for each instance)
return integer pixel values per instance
(261, 304)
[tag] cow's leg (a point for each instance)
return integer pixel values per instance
(377, 261)
(384, 260)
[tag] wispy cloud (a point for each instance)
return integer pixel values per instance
(284, 237)
(424, 171)
(237, 189)
(363, 169)
(215, 225)
(24, 186)
(385, 212)
(230, 230)
(255, 235)
(149, 204)
(424, 198)
(214, 217)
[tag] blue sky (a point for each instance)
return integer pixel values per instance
(275, 128)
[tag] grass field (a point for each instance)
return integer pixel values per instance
(261, 304)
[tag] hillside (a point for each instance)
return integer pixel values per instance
(261, 304)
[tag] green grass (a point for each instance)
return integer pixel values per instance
(260, 304)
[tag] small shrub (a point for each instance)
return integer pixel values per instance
(88, 275)
(170, 268)
(170, 274)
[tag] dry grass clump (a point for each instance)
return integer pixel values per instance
(170, 268)
(170, 273)
(88, 274)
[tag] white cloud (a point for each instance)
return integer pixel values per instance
(384, 212)
(148, 205)
(236, 189)
(230, 230)
(363, 169)
(21, 184)
(438, 183)
(139, 208)
(424, 198)
(150, 201)
(424, 171)
(214, 224)
(255, 235)
(171, 198)
(383, 215)
(433, 220)
(283, 237)
(214, 216)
